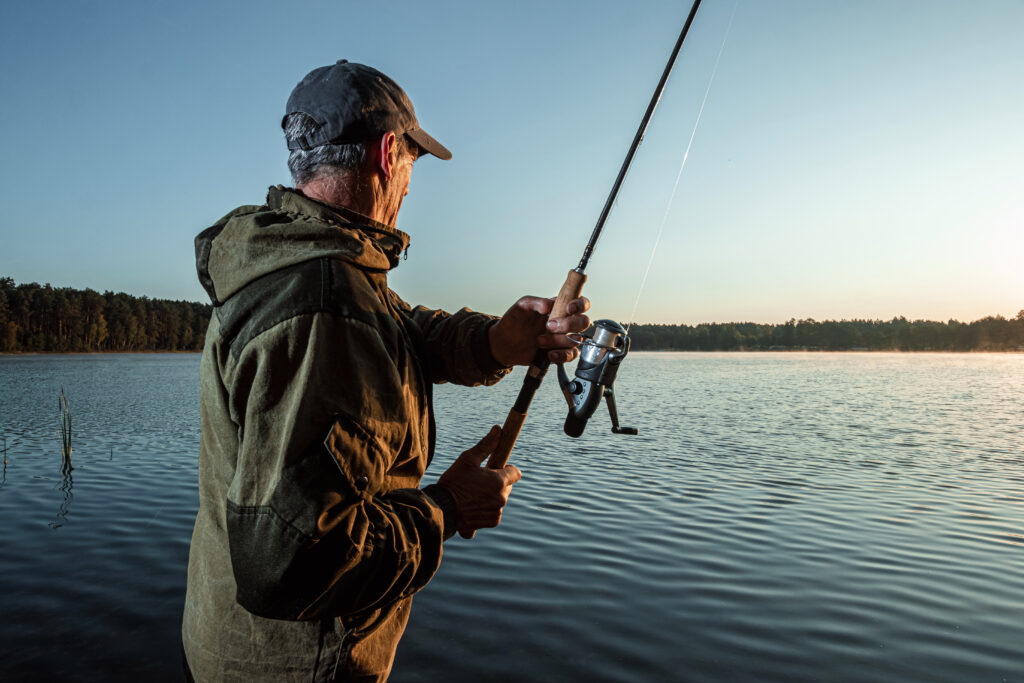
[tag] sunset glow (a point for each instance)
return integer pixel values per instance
(853, 160)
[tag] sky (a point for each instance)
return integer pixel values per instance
(852, 159)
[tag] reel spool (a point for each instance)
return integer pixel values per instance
(600, 356)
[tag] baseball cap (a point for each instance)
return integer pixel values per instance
(353, 103)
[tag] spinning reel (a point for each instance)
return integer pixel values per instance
(600, 356)
(602, 353)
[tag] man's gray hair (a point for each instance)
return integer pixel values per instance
(306, 165)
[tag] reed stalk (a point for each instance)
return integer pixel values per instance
(64, 430)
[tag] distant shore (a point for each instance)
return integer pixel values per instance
(793, 350)
(162, 352)
(44, 319)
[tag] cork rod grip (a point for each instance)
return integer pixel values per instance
(571, 289)
(507, 441)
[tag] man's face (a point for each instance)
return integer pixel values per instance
(403, 170)
(398, 186)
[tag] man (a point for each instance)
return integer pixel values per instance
(317, 425)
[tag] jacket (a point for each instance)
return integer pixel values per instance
(315, 398)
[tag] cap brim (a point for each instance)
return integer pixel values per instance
(429, 144)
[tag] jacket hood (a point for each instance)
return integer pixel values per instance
(252, 241)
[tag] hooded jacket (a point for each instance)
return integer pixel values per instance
(315, 398)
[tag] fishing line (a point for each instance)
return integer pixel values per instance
(679, 175)
(603, 352)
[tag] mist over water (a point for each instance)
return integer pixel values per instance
(779, 517)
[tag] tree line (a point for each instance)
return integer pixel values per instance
(41, 318)
(993, 333)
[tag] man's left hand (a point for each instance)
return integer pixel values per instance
(525, 327)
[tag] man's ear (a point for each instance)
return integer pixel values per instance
(387, 154)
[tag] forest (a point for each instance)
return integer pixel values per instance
(42, 318)
(992, 333)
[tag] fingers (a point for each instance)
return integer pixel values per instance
(562, 348)
(480, 495)
(515, 338)
(581, 305)
(574, 320)
(563, 356)
(469, 525)
(476, 455)
(571, 323)
(542, 306)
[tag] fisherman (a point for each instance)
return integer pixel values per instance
(313, 533)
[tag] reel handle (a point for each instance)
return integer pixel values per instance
(571, 289)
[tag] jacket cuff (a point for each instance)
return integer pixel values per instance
(444, 500)
(481, 346)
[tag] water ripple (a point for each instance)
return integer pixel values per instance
(797, 517)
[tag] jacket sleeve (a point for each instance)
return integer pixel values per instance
(456, 346)
(322, 418)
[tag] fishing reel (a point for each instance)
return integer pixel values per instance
(600, 356)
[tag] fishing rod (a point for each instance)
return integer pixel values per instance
(602, 353)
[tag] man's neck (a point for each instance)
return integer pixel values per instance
(362, 200)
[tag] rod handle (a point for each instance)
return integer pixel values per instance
(507, 441)
(571, 289)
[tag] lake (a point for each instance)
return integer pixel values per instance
(780, 516)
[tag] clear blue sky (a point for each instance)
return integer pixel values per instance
(855, 159)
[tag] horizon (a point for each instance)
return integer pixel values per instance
(641, 323)
(855, 162)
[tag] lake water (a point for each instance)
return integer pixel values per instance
(798, 517)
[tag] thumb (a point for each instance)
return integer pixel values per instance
(510, 474)
(476, 455)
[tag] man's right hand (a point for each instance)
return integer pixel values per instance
(479, 492)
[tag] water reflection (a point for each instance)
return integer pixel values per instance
(65, 489)
(756, 516)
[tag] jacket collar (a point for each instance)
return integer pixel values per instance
(391, 240)
(252, 241)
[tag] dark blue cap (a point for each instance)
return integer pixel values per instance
(355, 103)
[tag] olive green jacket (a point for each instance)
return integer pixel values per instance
(315, 398)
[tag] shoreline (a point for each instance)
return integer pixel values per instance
(92, 353)
(791, 350)
(810, 350)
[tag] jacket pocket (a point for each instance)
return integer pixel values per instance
(289, 553)
(358, 456)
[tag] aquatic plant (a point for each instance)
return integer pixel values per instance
(64, 430)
